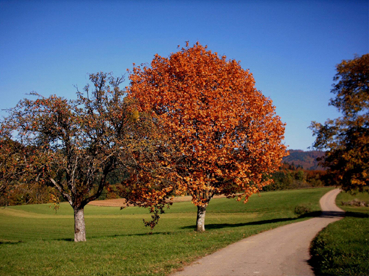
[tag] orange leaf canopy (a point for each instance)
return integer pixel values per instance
(227, 131)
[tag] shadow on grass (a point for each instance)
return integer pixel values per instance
(228, 225)
(261, 222)
(9, 242)
(68, 240)
(208, 227)
(331, 214)
(357, 215)
(117, 236)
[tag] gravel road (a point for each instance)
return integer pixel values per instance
(281, 251)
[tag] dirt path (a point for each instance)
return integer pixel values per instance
(281, 251)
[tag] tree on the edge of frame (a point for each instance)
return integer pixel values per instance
(346, 139)
(226, 130)
(73, 145)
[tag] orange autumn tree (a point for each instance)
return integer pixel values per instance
(76, 145)
(227, 131)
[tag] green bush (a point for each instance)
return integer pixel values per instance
(302, 209)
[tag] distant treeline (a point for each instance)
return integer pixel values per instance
(290, 176)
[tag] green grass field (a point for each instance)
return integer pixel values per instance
(342, 248)
(36, 241)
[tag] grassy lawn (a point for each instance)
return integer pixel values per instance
(36, 241)
(342, 248)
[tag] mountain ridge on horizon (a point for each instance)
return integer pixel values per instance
(305, 159)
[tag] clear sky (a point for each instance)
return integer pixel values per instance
(291, 47)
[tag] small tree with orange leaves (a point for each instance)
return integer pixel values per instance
(74, 145)
(227, 132)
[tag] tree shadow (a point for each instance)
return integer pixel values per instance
(143, 234)
(66, 239)
(260, 222)
(332, 214)
(311, 214)
(324, 214)
(117, 236)
(356, 214)
(10, 242)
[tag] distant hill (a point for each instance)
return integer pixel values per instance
(305, 159)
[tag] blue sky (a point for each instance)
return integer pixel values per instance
(291, 47)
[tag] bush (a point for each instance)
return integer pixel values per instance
(302, 209)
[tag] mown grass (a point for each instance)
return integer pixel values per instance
(342, 248)
(36, 241)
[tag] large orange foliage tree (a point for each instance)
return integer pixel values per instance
(227, 131)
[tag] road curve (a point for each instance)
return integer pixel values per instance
(281, 251)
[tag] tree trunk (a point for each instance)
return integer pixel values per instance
(200, 222)
(79, 225)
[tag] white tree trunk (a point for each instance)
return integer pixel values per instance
(200, 222)
(79, 225)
